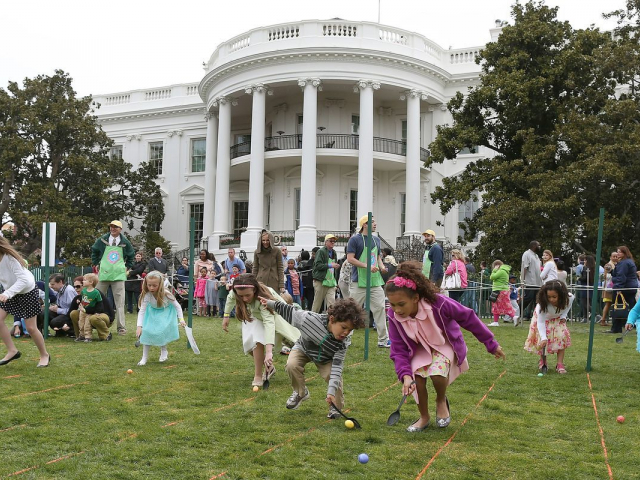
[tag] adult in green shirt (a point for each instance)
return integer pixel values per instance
(113, 254)
(324, 280)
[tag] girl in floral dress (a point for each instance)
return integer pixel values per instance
(549, 323)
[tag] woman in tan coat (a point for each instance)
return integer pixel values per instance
(267, 262)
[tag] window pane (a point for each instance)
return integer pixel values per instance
(198, 154)
(240, 217)
(116, 152)
(196, 211)
(353, 210)
(355, 124)
(297, 212)
(156, 152)
(403, 209)
(465, 212)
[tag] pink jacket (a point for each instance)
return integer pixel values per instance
(201, 286)
(462, 270)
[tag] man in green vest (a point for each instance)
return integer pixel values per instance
(113, 254)
(357, 256)
(324, 280)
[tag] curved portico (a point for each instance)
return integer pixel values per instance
(335, 65)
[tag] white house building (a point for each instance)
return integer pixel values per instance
(300, 128)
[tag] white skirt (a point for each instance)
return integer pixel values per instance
(252, 334)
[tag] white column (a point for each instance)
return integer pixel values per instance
(412, 168)
(221, 221)
(365, 157)
(249, 239)
(306, 235)
(210, 172)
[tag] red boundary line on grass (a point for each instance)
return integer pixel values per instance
(426, 467)
(382, 391)
(218, 476)
(46, 390)
(11, 376)
(604, 446)
(233, 404)
(13, 427)
(55, 460)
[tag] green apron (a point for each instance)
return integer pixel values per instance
(112, 267)
(426, 264)
(376, 278)
(330, 279)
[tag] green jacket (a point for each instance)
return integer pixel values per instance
(500, 278)
(97, 250)
(321, 263)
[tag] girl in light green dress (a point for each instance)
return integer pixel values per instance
(262, 328)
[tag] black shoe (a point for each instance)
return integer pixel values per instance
(48, 363)
(108, 339)
(16, 356)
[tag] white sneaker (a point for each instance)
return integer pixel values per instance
(142, 362)
(493, 324)
(507, 319)
(516, 321)
(163, 358)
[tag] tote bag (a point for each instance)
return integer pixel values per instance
(453, 281)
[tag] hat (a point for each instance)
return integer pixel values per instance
(429, 232)
(329, 236)
(363, 219)
(116, 223)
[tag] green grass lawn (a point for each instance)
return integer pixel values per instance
(195, 417)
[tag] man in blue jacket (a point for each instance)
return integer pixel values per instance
(432, 260)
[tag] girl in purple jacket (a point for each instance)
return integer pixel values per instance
(426, 341)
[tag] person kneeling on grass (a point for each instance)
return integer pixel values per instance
(324, 339)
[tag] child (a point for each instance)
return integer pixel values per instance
(549, 323)
(513, 298)
(261, 327)
(210, 294)
(500, 283)
(20, 298)
(157, 317)
(236, 271)
(426, 341)
(294, 281)
(91, 298)
(221, 288)
(201, 287)
(634, 320)
(324, 339)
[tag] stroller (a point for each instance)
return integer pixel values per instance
(181, 292)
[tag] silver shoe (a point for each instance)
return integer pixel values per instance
(444, 422)
(412, 428)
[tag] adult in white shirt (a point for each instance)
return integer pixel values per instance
(20, 298)
(549, 269)
(530, 277)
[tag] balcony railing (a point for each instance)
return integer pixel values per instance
(328, 140)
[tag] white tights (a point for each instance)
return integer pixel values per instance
(164, 354)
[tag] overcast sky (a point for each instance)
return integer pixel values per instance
(120, 45)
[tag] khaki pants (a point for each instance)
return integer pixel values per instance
(322, 293)
(376, 306)
(117, 288)
(295, 369)
(99, 321)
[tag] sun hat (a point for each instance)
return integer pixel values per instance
(429, 232)
(329, 236)
(116, 223)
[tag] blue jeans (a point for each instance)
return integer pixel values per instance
(222, 302)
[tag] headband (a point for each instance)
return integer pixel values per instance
(244, 286)
(403, 282)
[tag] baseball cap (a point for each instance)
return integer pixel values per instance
(116, 223)
(429, 232)
(329, 236)
(363, 219)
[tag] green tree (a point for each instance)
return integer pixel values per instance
(55, 163)
(565, 143)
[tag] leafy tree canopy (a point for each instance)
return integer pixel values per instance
(554, 104)
(55, 166)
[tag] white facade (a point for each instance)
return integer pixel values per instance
(300, 122)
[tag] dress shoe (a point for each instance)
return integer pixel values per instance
(15, 357)
(413, 428)
(444, 422)
(48, 363)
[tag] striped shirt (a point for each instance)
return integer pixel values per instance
(316, 341)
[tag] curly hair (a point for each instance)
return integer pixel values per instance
(347, 310)
(413, 271)
(563, 295)
(248, 280)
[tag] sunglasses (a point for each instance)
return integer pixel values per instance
(77, 286)
(332, 240)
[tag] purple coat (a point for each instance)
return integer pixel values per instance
(449, 316)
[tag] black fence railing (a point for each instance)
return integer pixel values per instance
(327, 140)
(342, 237)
